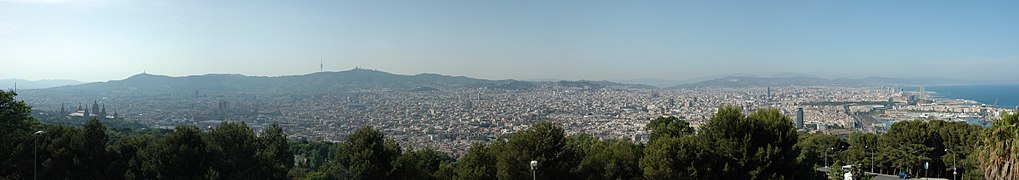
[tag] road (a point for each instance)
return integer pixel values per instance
(883, 176)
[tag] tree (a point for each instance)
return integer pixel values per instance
(126, 158)
(61, 153)
(16, 125)
(677, 158)
(478, 163)
(862, 149)
(999, 157)
(907, 143)
(758, 146)
(814, 148)
(94, 155)
(232, 148)
(366, 154)
(668, 127)
(274, 154)
(543, 142)
(611, 159)
(420, 164)
(835, 172)
(181, 155)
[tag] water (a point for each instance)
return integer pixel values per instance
(1006, 94)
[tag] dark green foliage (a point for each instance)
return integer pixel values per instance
(814, 148)
(836, 172)
(668, 126)
(420, 164)
(611, 159)
(999, 156)
(126, 158)
(60, 153)
(478, 163)
(275, 156)
(545, 143)
(16, 128)
(366, 154)
(181, 155)
(94, 149)
(758, 146)
(232, 148)
(677, 158)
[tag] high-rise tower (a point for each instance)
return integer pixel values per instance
(799, 118)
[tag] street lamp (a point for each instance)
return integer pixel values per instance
(953, 164)
(871, 159)
(534, 165)
(35, 155)
(826, 156)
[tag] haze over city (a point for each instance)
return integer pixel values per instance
(100, 40)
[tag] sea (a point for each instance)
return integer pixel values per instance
(1007, 95)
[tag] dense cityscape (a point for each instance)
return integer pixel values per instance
(450, 120)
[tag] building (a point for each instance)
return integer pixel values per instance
(799, 118)
(85, 113)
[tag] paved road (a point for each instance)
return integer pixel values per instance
(884, 176)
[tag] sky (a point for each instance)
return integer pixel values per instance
(101, 40)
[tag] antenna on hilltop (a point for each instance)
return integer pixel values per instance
(320, 65)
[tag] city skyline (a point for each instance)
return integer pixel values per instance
(103, 40)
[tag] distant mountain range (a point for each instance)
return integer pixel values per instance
(37, 84)
(316, 83)
(358, 80)
(742, 81)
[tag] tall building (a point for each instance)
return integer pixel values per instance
(769, 93)
(95, 108)
(923, 92)
(799, 118)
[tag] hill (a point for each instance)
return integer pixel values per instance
(743, 81)
(354, 80)
(36, 84)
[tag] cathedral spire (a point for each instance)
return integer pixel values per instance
(102, 113)
(95, 107)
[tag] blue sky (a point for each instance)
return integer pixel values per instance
(99, 40)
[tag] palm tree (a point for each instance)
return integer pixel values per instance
(1000, 150)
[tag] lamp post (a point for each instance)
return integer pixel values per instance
(826, 156)
(871, 160)
(35, 155)
(954, 172)
(534, 166)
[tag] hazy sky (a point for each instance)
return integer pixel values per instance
(99, 40)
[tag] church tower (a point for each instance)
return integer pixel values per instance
(102, 113)
(95, 107)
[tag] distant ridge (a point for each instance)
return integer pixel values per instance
(315, 83)
(36, 84)
(741, 81)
